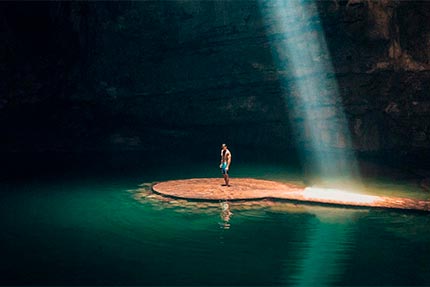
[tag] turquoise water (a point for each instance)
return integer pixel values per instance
(88, 228)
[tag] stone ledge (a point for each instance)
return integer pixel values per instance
(211, 189)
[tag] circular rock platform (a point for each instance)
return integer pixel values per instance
(211, 189)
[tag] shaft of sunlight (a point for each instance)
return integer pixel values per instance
(305, 71)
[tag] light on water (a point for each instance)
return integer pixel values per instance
(111, 231)
(326, 250)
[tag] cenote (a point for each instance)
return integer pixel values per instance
(101, 100)
(100, 225)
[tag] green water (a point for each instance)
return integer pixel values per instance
(89, 228)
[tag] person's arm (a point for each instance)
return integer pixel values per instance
(228, 160)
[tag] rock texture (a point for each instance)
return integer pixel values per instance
(158, 74)
(210, 189)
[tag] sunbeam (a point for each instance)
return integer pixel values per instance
(315, 109)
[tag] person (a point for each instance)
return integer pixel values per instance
(225, 163)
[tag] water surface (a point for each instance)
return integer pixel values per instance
(95, 227)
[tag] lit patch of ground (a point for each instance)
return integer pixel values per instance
(211, 189)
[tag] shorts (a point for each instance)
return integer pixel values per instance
(223, 168)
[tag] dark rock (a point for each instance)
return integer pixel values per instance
(425, 184)
(122, 75)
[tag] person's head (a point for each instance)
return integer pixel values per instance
(224, 146)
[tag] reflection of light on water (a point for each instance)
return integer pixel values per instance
(327, 247)
(338, 195)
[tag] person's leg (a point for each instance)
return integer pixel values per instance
(224, 173)
(227, 180)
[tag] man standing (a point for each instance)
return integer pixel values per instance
(225, 163)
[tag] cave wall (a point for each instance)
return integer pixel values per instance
(167, 74)
(382, 67)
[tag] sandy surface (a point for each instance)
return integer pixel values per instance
(211, 189)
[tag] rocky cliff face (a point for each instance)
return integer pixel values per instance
(169, 73)
(382, 71)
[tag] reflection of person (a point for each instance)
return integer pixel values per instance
(225, 163)
(225, 215)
